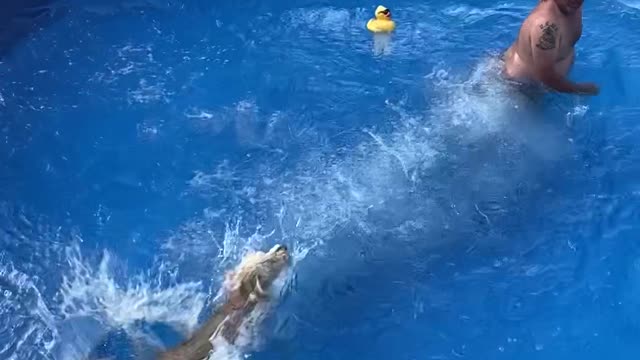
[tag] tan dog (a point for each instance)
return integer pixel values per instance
(246, 286)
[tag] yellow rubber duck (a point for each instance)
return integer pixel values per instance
(382, 22)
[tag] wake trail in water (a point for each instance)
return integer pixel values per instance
(431, 173)
(443, 175)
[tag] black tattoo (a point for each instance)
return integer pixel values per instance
(547, 40)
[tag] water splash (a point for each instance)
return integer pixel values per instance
(28, 326)
(93, 301)
(377, 179)
(97, 293)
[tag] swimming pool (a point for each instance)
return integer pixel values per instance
(433, 214)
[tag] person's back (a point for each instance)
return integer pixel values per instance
(544, 49)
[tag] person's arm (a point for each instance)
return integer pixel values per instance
(545, 41)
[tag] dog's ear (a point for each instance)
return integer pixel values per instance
(247, 284)
(259, 291)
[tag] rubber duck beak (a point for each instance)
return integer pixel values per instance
(383, 13)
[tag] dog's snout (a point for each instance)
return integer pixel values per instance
(281, 248)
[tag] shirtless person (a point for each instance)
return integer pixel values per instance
(544, 50)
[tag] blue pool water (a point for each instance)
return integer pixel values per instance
(433, 212)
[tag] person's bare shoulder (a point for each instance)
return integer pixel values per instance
(538, 17)
(543, 30)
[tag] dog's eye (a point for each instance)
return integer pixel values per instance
(281, 248)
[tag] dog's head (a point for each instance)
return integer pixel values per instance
(257, 271)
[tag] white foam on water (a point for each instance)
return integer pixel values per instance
(221, 179)
(325, 191)
(485, 105)
(477, 106)
(93, 301)
(128, 60)
(149, 92)
(206, 121)
(96, 293)
(577, 113)
(382, 44)
(28, 326)
(149, 130)
(199, 114)
(322, 193)
(330, 188)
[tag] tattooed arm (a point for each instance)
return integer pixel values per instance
(545, 43)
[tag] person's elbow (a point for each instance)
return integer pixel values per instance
(547, 76)
(553, 80)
